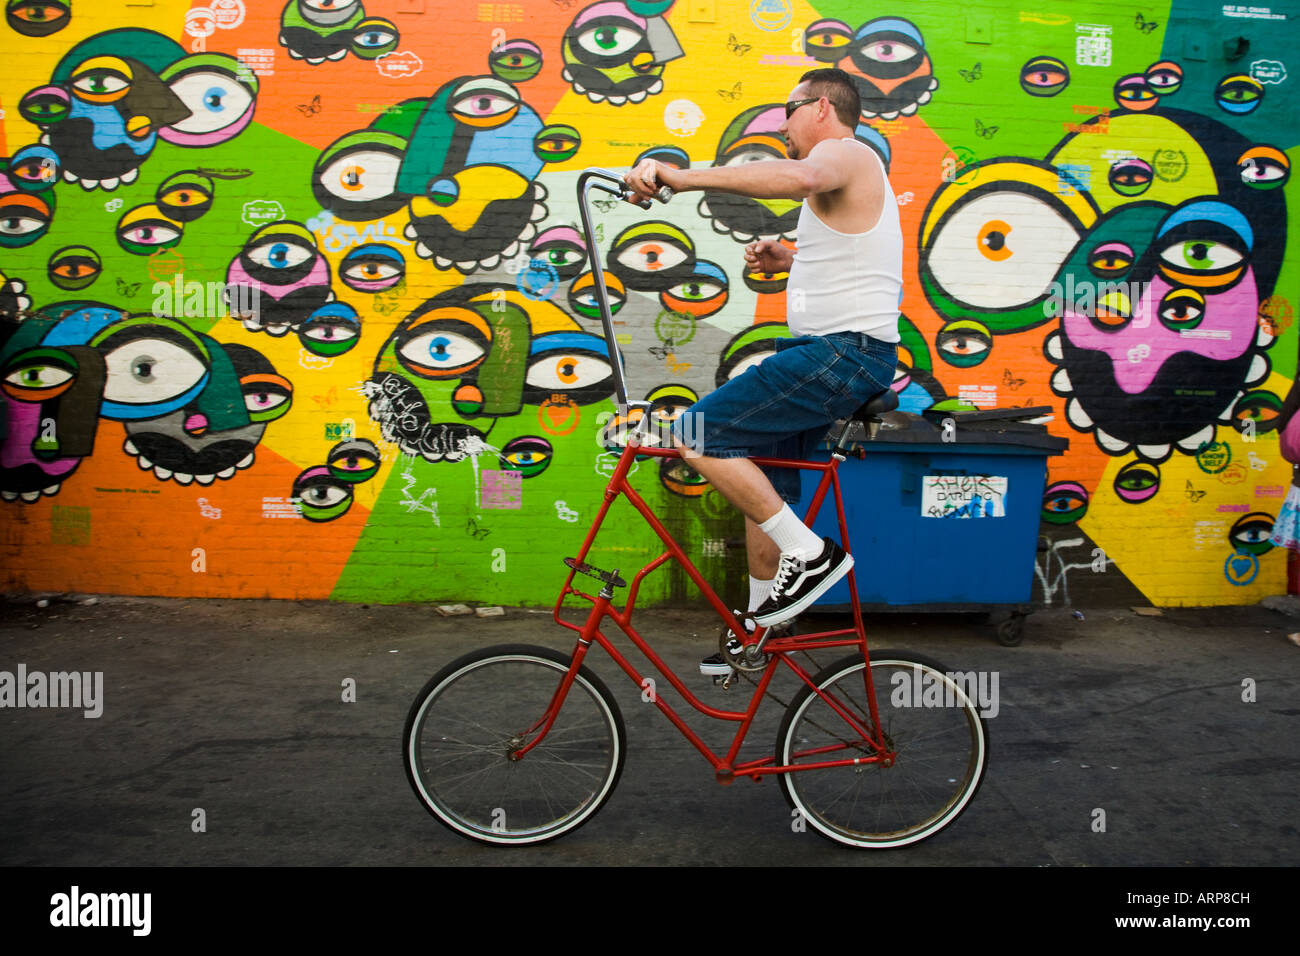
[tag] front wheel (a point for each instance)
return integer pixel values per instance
(477, 712)
(935, 744)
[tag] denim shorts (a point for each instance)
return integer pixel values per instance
(782, 407)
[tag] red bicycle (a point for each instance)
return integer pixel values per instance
(519, 744)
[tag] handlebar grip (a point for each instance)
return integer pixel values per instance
(664, 194)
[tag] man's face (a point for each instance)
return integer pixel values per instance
(796, 125)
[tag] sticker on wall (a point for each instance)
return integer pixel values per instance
(1268, 71)
(683, 117)
(1092, 46)
(397, 65)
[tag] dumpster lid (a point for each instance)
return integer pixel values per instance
(991, 426)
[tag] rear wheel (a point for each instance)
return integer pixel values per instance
(474, 714)
(937, 738)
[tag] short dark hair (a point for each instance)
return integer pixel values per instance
(838, 87)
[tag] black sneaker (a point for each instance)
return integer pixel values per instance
(715, 665)
(800, 582)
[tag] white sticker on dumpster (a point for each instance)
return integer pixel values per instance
(964, 496)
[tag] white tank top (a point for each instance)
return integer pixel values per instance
(842, 282)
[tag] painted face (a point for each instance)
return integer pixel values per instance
(754, 136)
(886, 58)
(112, 96)
(1154, 299)
(479, 354)
(282, 271)
(215, 432)
(320, 30)
(613, 55)
(464, 165)
(51, 397)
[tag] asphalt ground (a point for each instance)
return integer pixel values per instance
(225, 740)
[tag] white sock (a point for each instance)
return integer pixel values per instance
(758, 591)
(791, 535)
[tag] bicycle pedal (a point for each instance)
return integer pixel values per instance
(608, 577)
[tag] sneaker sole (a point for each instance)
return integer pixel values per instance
(832, 578)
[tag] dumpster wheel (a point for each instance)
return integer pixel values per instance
(1012, 631)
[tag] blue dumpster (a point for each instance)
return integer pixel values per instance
(943, 513)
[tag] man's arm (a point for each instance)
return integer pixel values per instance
(827, 167)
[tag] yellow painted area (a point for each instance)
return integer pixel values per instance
(1174, 546)
(479, 185)
(1142, 136)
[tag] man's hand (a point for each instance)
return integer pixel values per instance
(769, 256)
(649, 175)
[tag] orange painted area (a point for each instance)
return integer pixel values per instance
(143, 533)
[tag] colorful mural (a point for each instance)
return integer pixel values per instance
(294, 301)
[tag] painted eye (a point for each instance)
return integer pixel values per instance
(677, 476)
(1065, 502)
(185, 196)
(266, 396)
(1264, 167)
(826, 40)
(1110, 260)
(376, 36)
(1000, 250)
(1182, 309)
(1201, 255)
(21, 224)
(611, 38)
(1044, 76)
(372, 268)
(743, 157)
(1137, 481)
(35, 167)
(567, 371)
(701, 295)
(45, 106)
(38, 19)
(361, 175)
(353, 461)
(101, 85)
(888, 51)
(1250, 534)
(1261, 409)
(446, 348)
(1165, 78)
(582, 295)
(516, 61)
(320, 496)
(963, 343)
(651, 256)
(38, 375)
(555, 144)
(331, 330)
(280, 255)
(330, 6)
(216, 101)
(1239, 94)
(529, 455)
(146, 371)
(1132, 91)
(142, 231)
(484, 102)
(74, 267)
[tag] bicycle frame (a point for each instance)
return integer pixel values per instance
(868, 739)
(725, 768)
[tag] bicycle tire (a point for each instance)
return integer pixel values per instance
(941, 753)
(468, 717)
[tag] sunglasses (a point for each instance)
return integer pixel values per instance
(795, 104)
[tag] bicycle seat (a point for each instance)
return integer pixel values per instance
(876, 405)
